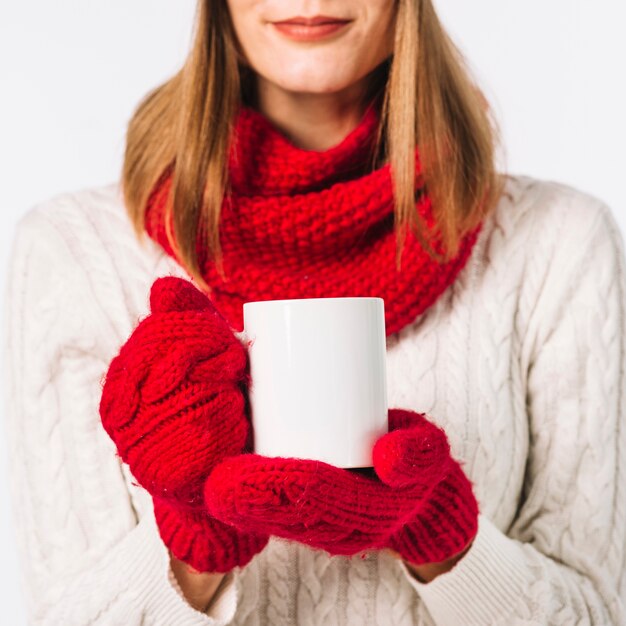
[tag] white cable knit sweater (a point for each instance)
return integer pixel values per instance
(522, 361)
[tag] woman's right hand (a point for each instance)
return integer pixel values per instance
(174, 403)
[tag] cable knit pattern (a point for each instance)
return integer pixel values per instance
(317, 595)
(522, 361)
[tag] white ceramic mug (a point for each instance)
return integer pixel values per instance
(318, 377)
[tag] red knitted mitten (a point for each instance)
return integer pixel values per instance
(450, 511)
(173, 401)
(202, 541)
(420, 504)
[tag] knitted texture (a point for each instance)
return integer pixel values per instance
(202, 541)
(304, 224)
(419, 504)
(173, 403)
(544, 446)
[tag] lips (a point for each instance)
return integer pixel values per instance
(313, 21)
(311, 29)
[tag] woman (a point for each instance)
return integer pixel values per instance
(361, 163)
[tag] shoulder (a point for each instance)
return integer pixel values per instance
(542, 221)
(538, 243)
(89, 220)
(84, 241)
(93, 227)
(550, 244)
(529, 203)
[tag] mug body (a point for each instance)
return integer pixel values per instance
(318, 378)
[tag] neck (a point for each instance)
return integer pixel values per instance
(313, 121)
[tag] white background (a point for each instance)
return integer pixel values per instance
(72, 72)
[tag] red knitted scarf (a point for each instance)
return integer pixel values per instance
(305, 224)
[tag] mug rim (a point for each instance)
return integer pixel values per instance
(331, 299)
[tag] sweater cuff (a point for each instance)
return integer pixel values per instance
(160, 592)
(482, 587)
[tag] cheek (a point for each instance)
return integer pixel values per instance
(382, 26)
(247, 25)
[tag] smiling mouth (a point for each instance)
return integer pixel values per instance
(301, 29)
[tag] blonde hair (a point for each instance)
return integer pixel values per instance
(429, 101)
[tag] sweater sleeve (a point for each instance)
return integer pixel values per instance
(87, 556)
(562, 560)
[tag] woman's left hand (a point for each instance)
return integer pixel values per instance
(419, 503)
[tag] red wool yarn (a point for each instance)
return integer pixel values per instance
(295, 224)
(173, 402)
(420, 505)
(202, 541)
(180, 371)
(306, 224)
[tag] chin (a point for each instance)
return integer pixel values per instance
(322, 82)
